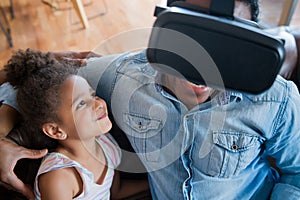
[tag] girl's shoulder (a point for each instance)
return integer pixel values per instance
(53, 161)
(63, 182)
(58, 172)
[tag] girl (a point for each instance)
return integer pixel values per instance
(73, 124)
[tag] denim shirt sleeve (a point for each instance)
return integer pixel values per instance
(284, 146)
(8, 95)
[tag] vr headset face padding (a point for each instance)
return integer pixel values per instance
(215, 50)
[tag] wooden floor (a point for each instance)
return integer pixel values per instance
(115, 25)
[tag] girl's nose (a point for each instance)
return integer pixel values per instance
(98, 103)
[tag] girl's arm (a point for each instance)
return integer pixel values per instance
(125, 188)
(61, 184)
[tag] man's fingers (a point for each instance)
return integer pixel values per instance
(27, 191)
(10, 154)
(74, 62)
(5, 185)
(92, 54)
(84, 55)
(74, 54)
(33, 154)
(290, 60)
(16, 184)
(74, 58)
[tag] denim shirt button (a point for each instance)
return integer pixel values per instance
(139, 127)
(234, 147)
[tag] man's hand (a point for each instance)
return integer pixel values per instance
(10, 153)
(74, 58)
(291, 51)
(291, 55)
(296, 34)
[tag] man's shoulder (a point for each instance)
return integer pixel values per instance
(278, 92)
(136, 65)
(282, 88)
(105, 68)
(117, 62)
(117, 59)
(130, 67)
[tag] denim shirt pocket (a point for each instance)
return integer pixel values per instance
(231, 153)
(146, 133)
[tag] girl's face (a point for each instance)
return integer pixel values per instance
(82, 115)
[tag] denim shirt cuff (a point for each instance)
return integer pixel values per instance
(285, 191)
(8, 95)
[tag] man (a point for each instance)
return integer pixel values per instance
(197, 142)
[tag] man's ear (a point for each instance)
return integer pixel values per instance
(53, 131)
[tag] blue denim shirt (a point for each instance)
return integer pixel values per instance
(218, 149)
(8, 95)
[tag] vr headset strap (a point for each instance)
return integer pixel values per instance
(222, 8)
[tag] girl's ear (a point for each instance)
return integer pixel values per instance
(53, 131)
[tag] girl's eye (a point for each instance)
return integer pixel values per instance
(93, 94)
(81, 104)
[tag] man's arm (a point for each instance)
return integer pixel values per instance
(10, 153)
(287, 151)
(284, 147)
(2, 76)
(8, 118)
(8, 113)
(125, 188)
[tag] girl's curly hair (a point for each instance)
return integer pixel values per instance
(38, 77)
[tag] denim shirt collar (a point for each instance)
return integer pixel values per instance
(226, 97)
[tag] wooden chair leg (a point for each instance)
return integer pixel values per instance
(12, 11)
(6, 30)
(80, 12)
(287, 12)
